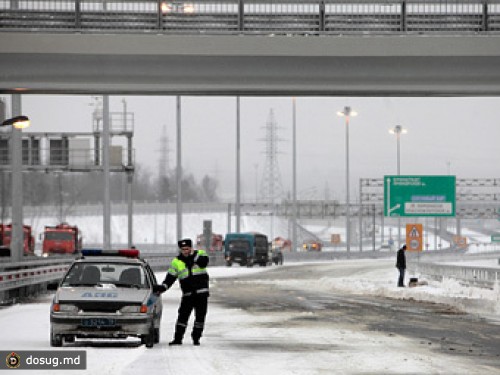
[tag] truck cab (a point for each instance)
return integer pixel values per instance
(29, 239)
(61, 239)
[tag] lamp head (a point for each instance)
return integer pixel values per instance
(19, 122)
(347, 112)
(398, 129)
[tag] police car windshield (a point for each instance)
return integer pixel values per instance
(97, 274)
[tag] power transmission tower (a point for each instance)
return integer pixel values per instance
(271, 187)
(164, 164)
(164, 188)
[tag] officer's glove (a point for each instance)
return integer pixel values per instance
(161, 288)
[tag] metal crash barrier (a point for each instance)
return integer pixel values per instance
(469, 275)
(29, 278)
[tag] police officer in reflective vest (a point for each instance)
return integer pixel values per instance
(190, 268)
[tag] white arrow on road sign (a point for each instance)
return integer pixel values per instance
(393, 208)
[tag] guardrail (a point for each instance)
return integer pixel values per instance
(471, 275)
(28, 278)
(309, 17)
(31, 276)
(34, 261)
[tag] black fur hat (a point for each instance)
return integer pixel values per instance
(186, 242)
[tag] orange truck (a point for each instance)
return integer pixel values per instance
(29, 239)
(61, 239)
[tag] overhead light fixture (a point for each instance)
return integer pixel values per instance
(19, 122)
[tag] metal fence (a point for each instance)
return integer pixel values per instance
(309, 17)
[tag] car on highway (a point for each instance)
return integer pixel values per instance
(106, 294)
(312, 245)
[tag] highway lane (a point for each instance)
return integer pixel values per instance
(287, 320)
(438, 328)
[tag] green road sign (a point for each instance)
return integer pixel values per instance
(495, 238)
(419, 195)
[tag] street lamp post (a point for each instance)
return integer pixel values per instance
(294, 175)
(17, 234)
(347, 113)
(237, 208)
(398, 130)
(178, 169)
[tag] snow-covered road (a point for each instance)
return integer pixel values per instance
(241, 342)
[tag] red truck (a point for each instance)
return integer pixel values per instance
(61, 239)
(217, 243)
(29, 239)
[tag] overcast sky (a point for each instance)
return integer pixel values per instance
(459, 136)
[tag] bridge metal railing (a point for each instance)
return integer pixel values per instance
(279, 17)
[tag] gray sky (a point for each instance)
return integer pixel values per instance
(445, 135)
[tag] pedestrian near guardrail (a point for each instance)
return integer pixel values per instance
(401, 265)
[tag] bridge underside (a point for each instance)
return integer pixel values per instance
(250, 65)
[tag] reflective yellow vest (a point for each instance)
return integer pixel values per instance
(192, 279)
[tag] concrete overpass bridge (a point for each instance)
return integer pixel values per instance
(251, 47)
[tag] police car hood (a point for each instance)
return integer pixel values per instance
(102, 293)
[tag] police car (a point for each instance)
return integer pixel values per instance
(112, 294)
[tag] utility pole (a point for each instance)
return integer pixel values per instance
(179, 169)
(238, 161)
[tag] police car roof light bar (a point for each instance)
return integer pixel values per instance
(129, 253)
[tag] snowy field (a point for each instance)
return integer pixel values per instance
(230, 332)
(161, 229)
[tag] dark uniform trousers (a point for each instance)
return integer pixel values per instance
(198, 303)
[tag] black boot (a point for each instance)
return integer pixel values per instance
(179, 334)
(197, 332)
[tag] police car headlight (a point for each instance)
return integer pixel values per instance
(134, 309)
(65, 308)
